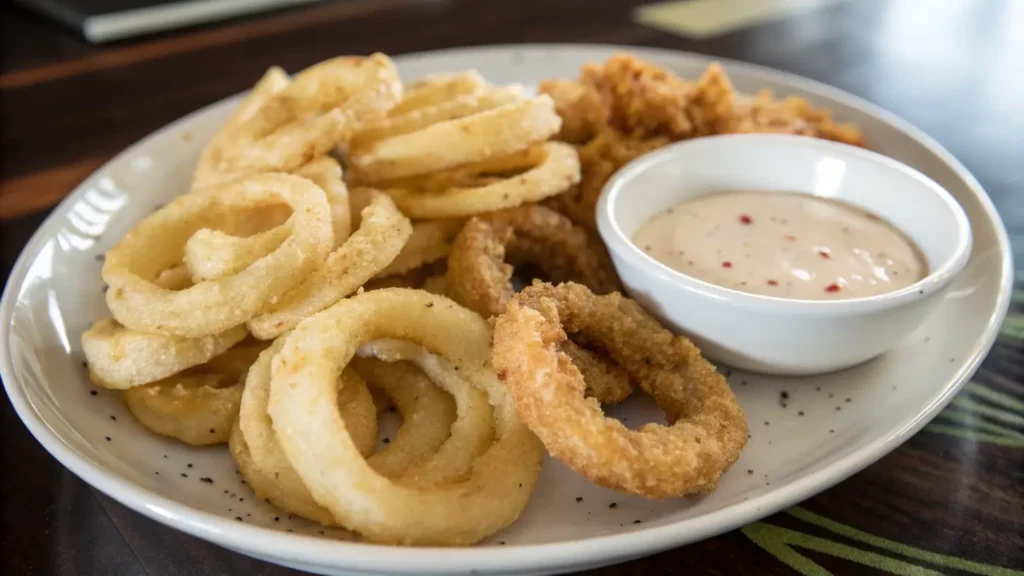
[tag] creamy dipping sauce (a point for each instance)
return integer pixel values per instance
(785, 245)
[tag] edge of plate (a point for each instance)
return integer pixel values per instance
(316, 552)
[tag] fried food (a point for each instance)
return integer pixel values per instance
(447, 144)
(483, 255)
(625, 107)
(314, 438)
(283, 125)
(121, 358)
(706, 427)
(266, 462)
(530, 175)
(213, 306)
(382, 233)
(197, 406)
(427, 411)
(431, 240)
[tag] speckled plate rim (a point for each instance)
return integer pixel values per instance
(310, 552)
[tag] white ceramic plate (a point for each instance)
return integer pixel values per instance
(829, 427)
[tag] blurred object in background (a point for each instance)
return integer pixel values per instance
(107, 20)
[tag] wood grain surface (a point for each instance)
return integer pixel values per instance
(950, 501)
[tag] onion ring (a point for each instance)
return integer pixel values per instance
(382, 232)
(314, 438)
(538, 172)
(123, 358)
(425, 116)
(197, 409)
(275, 478)
(213, 306)
(706, 428)
(479, 277)
(213, 254)
(274, 80)
(427, 413)
(286, 127)
(437, 89)
(604, 380)
(469, 435)
(492, 133)
(431, 240)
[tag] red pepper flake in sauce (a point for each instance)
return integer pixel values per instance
(745, 219)
(773, 282)
(727, 264)
(833, 287)
(789, 237)
(824, 253)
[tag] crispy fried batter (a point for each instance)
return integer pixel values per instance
(706, 429)
(483, 255)
(626, 107)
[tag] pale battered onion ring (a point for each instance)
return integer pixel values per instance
(323, 105)
(214, 254)
(437, 89)
(530, 175)
(313, 435)
(276, 480)
(706, 428)
(428, 413)
(492, 133)
(123, 358)
(431, 240)
(197, 406)
(423, 117)
(481, 262)
(213, 306)
(469, 435)
(273, 81)
(382, 232)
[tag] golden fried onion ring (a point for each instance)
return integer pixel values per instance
(428, 413)
(431, 240)
(283, 128)
(383, 230)
(706, 428)
(492, 133)
(121, 358)
(213, 254)
(275, 479)
(209, 307)
(438, 89)
(530, 175)
(313, 435)
(480, 278)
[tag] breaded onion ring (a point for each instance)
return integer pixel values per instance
(604, 380)
(276, 480)
(479, 273)
(274, 80)
(197, 406)
(197, 409)
(214, 306)
(122, 358)
(422, 117)
(383, 230)
(213, 254)
(314, 437)
(286, 127)
(492, 133)
(531, 175)
(428, 413)
(706, 428)
(438, 89)
(469, 435)
(431, 241)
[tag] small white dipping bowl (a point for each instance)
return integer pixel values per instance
(780, 335)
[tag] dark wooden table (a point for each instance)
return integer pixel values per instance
(950, 500)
